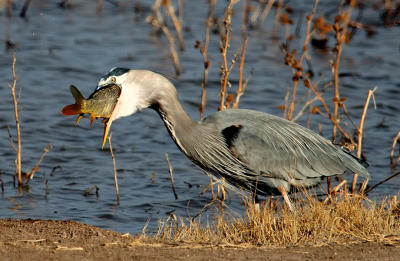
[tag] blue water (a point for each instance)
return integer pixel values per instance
(57, 47)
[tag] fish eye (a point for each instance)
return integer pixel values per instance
(113, 79)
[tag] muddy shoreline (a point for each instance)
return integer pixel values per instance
(69, 240)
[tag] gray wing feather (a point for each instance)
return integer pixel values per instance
(277, 148)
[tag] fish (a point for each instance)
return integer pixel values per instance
(100, 104)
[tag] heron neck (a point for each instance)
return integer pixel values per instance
(176, 120)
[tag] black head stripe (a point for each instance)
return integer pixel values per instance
(117, 71)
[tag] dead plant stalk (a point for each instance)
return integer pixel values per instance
(241, 86)
(157, 20)
(341, 30)
(177, 24)
(224, 49)
(265, 13)
(36, 168)
(299, 66)
(308, 84)
(207, 63)
(17, 122)
(393, 162)
(171, 176)
(360, 134)
(99, 5)
(174, 54)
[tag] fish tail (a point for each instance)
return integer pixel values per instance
(78, 107)
(71, 109)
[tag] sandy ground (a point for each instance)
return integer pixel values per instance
(69, 240)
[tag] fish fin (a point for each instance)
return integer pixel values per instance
(77, 94)
(71, 109)
(78, 119)
(92, 118)
(79, 102)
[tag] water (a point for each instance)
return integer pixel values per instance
(58, 47)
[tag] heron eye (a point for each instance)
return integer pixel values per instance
(113, 79)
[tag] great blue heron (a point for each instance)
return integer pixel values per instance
(251, 150)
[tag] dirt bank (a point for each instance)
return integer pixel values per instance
(69, 240)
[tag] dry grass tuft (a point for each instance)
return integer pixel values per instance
(313, 223)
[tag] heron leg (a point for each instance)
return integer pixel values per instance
(285, 196)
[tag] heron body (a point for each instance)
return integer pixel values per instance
(250, 150)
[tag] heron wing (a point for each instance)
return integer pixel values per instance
(277, 148)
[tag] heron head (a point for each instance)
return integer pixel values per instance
(116, 75)
(136, 92)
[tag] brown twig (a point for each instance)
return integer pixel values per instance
(393, 162)
(17, 122)
(25, 8)
(30, 174)
(8, 8)
(114, 168)
(174, 54)
(308, 84)
(256, 13)
(156, 20)
(246, 8)
(265, 13)
(335, 190)
(298, 65)
(360, 134)
(203, 50)
(99, 5)
(308, 103)
(11, 139)
(171, 176)
(340, 27)
(277, 15)
(329, 188)
(177, 23)
(211, 187)
(224, 49)
(381, 182)
(241, 86)
(2, 185)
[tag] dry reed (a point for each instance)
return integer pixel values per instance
(228, 100)
(25, 8)
(259, 16)
(99, 5)
(177, 22)
(203, 50)
(313, 223)
(8, 8)
(241, 86)
(360, 135)
(31, 173)
(157, 20)
(393, 161)
(340, 28)
(18, 171)
(171, 176)
(297, 65)
(224, 45)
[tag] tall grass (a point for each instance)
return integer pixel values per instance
(313, 223)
